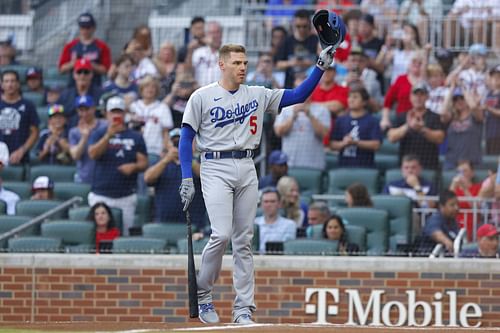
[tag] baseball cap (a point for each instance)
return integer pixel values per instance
(356, 49)
(4, 154)
(42, 183)
(85, 101)
(55, 109)
(33, 72)
(86, 20)
(420, 87)
(442, 54)
(487, 230)
(115, 103)
(368, 18)
(175, 132)
(495, 69)
(82, 63)
(478, 49)
(277, 157)
(457, 92)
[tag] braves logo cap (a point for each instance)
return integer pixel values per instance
(42, 183)
(85, 101)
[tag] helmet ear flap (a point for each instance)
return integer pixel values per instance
(330, 27)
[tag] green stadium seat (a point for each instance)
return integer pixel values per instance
(198, 245)
(399, 209)
(376, 223)
(80, 234)
(310, 180)
(144, 209)
(385, 161)
(9, 222)
(395, 174)
(3, 207)
(388, 148)
(56, 82)
(58, 173)
(12, 173)
(490, 162)
(43, 116)
(38, 99)
(23, 189)
(340, 179)
(52, 72)
(81, 214)
(139, 245)
(448, 175)
(170, 232)
(34, 244)
(355, 234)
(67, 190)
(38, 207)
(310, 247)
(332, 161)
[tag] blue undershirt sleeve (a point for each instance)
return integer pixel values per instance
(186, 150)
(300, 93)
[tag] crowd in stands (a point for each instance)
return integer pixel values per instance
(118, 120)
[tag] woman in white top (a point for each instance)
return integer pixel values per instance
(152, 116)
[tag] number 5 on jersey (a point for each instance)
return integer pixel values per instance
(253, 124)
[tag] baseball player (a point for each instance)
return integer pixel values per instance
(226, 117)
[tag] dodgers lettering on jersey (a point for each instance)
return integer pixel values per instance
(224, 121)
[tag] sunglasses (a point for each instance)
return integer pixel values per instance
(83, 71)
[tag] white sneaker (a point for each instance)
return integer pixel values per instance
(207, 314)
(244, 319)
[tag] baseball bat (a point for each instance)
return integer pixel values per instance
(192, 285)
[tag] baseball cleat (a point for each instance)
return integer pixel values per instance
(244, 319)
(207, 314)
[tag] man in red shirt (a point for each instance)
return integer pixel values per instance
(88, 47)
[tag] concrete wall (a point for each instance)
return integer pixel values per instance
(153, 288)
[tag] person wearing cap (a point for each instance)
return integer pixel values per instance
(491, 106)
(79, 137)
(18, 119)
(34, 82)
(42, 188)
(165, 176)
(278, 168)
(10, 198)
(86, 46)
(119, 154)
(53, 146)
(487, 243)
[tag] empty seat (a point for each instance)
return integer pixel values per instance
(52, 72)
(12, 173)
(490, 162)
(38, 207)
(198, 245)
(340, 179)
(34, 244)
(43, 116)
(143, 211)
(58, 173)
(389, 148)
(38, 99)
(3, 207)
(310, 180)
(332, 161)
(9, 222)
(310, 247)
(170, 232)
(81, 214)
(385, 161)
(376, 223)
(399, 209)
(355, 234)
(67, 190)
(139, 245)
(23, 189)
(73, 234)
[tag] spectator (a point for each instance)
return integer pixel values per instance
(329, 93)
(441, 227)
(34, 82)
(278, 36)
(272, 226)
(490, 189)
(437, 90)
(10, 198)
(487, 243)
(356, 195)
(205, 59)
(154, 115)
(421, 133)
(412, 184)
(176, 100)
(491, 106)
(42, 188)
(464, 117)
(474, 77)
(400, 91)
(119, 154)
(302, 128)
(121, 85)
(278, 167)
(142, 35)
(86, 46)
(105, 226)
(196, 39)
(280, 12)
(299, 49)
(54, 93)
(444, 58)
(293, 208)
(334, 229)
(371, 44)
(357, 134)
(7, 54)
(144, 63)
(165, 176)
(53, 146)
(463, 186)
(166, 62)
(18, 119)
(79, 138)
(380, 8)
(423, 14)
(82, 73)
(265, 75)
(318, 213)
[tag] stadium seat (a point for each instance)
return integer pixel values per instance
(9, 222)
(67, 190)
(388, 148)
(34, 244)
(448, 175)
(38, 99)
(395, 174)
(376, 223)
(355, 234)
(340, 179)
(332, 161)
(75, 235)
(58, 173)
(198, 245)
(52, 72)
(37, 207)
(143, 211)
(399, 209)
(385, 161)
(12, 173)
(310, 180)
(139, 245)
(310, 247)
(23, 189)
(43, 116)
(81, 214)
(169, 232)
(490, 162)
(3, 207)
